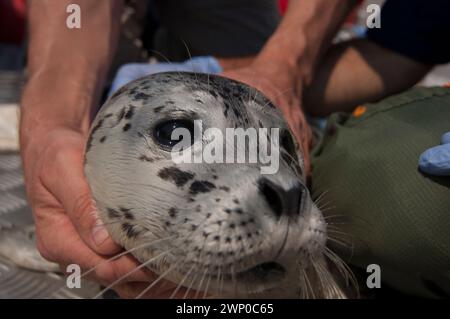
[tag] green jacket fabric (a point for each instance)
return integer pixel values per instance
(366, 172)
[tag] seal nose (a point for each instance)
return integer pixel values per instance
(282, 201)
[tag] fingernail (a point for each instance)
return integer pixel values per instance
(99, 233)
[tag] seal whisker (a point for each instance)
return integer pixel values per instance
(334, 230)
(145, 263)
(336, 233)
(190, 285)
(324, 205)
(205, 293)
(199, 286)
(116, 256)
(180, 284)
(343, 269)
(330, 288)
(200, 258)
(190, 58)
(221, 282)
(302, 292)
(160, 277)
(320, 275)
(130, 272)
(179, 263)
(345, 220)
(234, 281)
(346, 243)
(327, 217)
(162, 56)
(329, 225)
(339, 242)
(144, 245)
(320, 197)
(309, 288)
(218, 280)
(233, 270)
(326, 209)
(256, 93)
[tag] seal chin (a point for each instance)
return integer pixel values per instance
(264, 272)
(253, 281)
(291, 251)
(262, 279)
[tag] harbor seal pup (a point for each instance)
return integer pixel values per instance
(224, 229)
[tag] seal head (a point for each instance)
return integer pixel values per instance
(222, 228)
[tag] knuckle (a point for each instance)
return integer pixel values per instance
(124, 292)
(105, 274)
(131, 290)
(83, 209)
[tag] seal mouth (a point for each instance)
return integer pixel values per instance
(267, 271)
(263, 272)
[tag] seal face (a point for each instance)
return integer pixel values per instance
(224, 229)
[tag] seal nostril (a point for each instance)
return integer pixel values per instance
(280, 200)
(271, 196)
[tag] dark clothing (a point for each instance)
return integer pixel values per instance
(222, 28)
(419, 29)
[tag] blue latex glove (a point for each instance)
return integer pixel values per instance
(436, 160)
(132, 71)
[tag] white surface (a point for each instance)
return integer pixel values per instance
(9, 123)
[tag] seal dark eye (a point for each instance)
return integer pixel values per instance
(164, 132)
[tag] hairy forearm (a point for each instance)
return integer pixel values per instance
(67, 67)
(303, 35)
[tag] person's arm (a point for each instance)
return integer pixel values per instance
(288, 60)
(66, 69)
(356, 72)
(304, 34)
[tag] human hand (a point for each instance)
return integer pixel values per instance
(68, 230)
(284, 90)
(436, 160)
